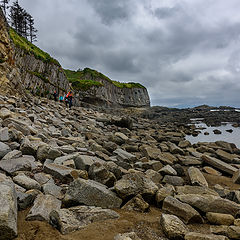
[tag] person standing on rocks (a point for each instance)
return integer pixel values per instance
(55, 95)
(69, 97)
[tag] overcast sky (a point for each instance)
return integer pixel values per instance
(186, 52)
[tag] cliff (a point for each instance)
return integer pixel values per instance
(95, 88)
(25, 67)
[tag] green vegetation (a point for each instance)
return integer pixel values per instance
(39, 75)
(30, 48)
(86, 78)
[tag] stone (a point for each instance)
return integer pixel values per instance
(84, 162)
(220, 165)
(236, 177)
(136, 204)
(225, 156)
(164, 192)
(196, 177)
(168, 170)
(127, 236)
(200, 236)
(150, 152)
(82, 192)
(174, 149)
(173, 227)
(4, 135)
(173, 180)
(43, 206)
(5, 113)
(219, 229)
(12, 154)
(184, 144)
(211, 171)
(76, 218)
(4, 149)
(154, 176)
(135, 183)
(25, 199)
(8, 208)
(210, 203)
(237, 222)
(121, 135)
(51, 188)
(26, 182)
(233, 232)
(42, 178)
(187, 189)
(64, 174)
(182, 210)
(167, 158)
(123, 155)
(220, 218)
(99, 173)
(25, 163)
(46, 152)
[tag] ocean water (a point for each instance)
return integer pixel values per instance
(233, 137)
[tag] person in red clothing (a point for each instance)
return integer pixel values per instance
(69, 97)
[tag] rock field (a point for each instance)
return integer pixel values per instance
(73, 169)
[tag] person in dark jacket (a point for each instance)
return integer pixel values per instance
(69, 98)
(55, 96)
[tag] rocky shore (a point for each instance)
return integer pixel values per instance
(130, 177)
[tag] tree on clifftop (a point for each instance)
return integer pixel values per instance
(32, 29)
(4, 6)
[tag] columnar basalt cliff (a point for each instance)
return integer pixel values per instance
(25, 66)
(95, 88)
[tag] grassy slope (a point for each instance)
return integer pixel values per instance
(79, 81)
(30, 48)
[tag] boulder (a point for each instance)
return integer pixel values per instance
(4, 135)
(43, 206)
(220, 218)
(184, 211)
(196, 177)
(12, 154)
(236, 177)
(51, 188)
(173, 227)
(220, 165)
(164, 192)
(187, 189)
(150, 152)
(225, 156)
(210, 203)
(136, 204)
(84, 162)
(173, 180)
(233, 232)
(75, 218)
(8, 209)
(82, 191)
(200, 236)
(4, 149)
(168, 170)
(123, 155)
(26, 182)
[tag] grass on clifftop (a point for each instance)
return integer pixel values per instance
(88, 76)
(28, 47)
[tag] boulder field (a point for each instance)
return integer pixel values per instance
(75, 169)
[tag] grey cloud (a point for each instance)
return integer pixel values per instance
(165, 12)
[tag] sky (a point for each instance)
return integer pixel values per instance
(185, 52)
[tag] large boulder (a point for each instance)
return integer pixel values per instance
(184, 211)
(210, 203)
(75, 218)
(91, 193)
(43, 206)
(173, 227)
(8, 209)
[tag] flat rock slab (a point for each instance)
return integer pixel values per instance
(91, 193)
(220, 165)
(199, 236)
(187, 189)
(75, 218)
(210, 203)
(8, 209)
(43, 206)
(183, 210)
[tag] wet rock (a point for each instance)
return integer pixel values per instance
(184, 211)
(173, 227)
(43, 206)
(75, 218)
(82, 191)
(216, 131)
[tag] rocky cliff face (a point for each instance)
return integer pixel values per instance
(9, 74)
